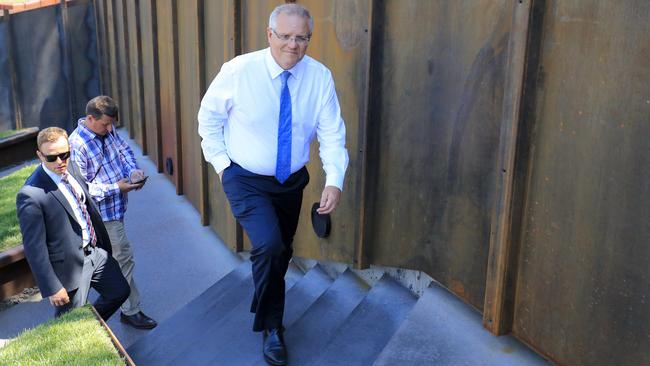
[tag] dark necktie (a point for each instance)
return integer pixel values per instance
(283, 162)
(92, 237)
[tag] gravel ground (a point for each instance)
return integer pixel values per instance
(31, 294)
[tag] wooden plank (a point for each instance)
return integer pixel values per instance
(100, 42)
(496, 317)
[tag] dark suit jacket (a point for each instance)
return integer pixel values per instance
(51, 234)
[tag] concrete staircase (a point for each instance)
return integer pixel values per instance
(330, 321)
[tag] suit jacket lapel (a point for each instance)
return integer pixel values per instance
(53, 189)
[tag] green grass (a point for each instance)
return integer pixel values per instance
(76, 338)
(8, 133)
(10, 185)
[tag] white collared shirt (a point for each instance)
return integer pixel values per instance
(238, 118)
(69, 196)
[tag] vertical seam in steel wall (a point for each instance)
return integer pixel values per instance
(177, 100)
(99, 40)
(494, 318)
(15, 96)
(67, 48)
(205, 202)
(156, 83)
(142, 110)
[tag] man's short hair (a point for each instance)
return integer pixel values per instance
(290, 9)
(102, 105)
(50, 134)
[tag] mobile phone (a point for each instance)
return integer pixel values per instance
(141, 181)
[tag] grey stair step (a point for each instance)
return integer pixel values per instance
(178, 331)
(442, 330)
(239, 345)
(369, 327)
(294, 274)
(309, 334)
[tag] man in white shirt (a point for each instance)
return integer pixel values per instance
(257, 120)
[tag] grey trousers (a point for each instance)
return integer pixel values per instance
(102, 273)
(123, 253)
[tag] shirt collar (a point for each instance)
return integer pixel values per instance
(54, 176)
(275, 70)
(84, 131)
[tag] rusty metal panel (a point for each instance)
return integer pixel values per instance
(583, 288)
(433, 137)
(191, 80)
(111, 40)
(167, 58)
(134, 74)
(150, 81)
(219, 31)
(123, 86)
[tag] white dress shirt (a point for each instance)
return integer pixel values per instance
(69, 196)
(238, 118)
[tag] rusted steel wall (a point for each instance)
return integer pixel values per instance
(583, 290)
(136, 112)
(150, 81)
(220, 30)
(437, 96)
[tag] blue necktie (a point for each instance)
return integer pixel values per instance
(283, 162)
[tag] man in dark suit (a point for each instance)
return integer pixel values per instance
(66, 243)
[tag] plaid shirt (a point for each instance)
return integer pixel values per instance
(103, 162)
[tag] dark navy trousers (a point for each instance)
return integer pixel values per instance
(268, 211)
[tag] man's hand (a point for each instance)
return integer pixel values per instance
(329, 200)
(126, 186)
(137, 175)
(60, 298)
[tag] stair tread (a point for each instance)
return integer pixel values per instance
(441, 328)
(155, 345)
(232, 342)
(313, 329)
(370, 325)
(238, 345)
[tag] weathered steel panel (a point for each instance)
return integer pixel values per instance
(83, 58)
(583, 289)
(111, 38)
(134, 74)
(433, 137)
(168, 89)
(123, 96)
(219, 31)
(341, 42)
(150, 80)
(190, 98)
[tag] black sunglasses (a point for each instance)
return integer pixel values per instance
(52, 158)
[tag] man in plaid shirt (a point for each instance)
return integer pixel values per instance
(109, 167)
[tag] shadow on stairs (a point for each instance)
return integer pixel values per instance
(330, 321)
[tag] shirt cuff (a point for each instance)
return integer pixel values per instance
(334, 180)
(220, 162)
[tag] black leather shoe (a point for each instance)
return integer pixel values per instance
(138, 320)
(275, 352)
